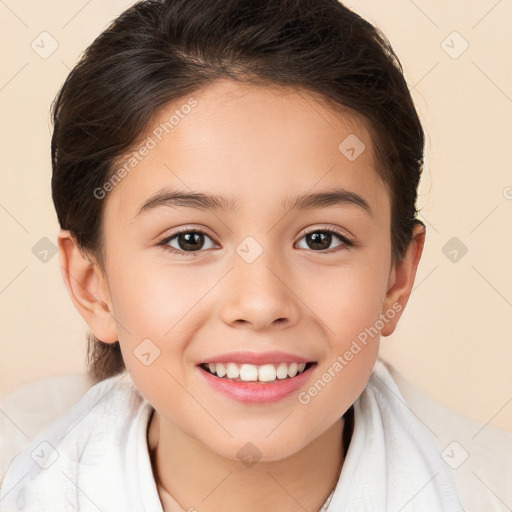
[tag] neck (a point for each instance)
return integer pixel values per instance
(199, 479)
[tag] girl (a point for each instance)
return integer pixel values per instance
(236, 185)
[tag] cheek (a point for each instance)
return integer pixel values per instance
(154, 299)
(158, 310)
(351, 299)
(151, 309)
(349, 310)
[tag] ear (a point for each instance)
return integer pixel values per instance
(88, 288)
(401, 279)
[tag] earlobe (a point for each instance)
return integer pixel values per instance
(402, 280)
(87, 288)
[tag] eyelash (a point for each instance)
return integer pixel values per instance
(347, 243)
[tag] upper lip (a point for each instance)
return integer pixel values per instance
(256, 358)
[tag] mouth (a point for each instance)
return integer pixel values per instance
(266, 373)
(256, 377)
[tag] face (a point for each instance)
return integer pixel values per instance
(258, 278)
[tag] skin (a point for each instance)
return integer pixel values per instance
(259, 145)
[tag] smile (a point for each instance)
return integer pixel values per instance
(250, 373)
(256, 383)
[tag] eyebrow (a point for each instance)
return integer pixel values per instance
(203, 201)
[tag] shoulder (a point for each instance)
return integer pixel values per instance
(29, 408)
(83, 439)
(478, 455)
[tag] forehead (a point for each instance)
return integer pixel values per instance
(256, 144)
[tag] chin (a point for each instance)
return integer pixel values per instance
(251, 449)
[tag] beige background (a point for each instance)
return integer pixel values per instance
(454, 340)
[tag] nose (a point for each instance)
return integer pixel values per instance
(259, 294)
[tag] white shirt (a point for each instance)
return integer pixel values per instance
(95, 456)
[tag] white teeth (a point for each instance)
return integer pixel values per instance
(220, 369)
(267, 372)
(282, 371)
(292, 369)
(248, 372)
(232, 371)
(251, 372)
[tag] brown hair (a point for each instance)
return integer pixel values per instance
(158, 51)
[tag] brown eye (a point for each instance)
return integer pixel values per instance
(190, 241)
(321, 240)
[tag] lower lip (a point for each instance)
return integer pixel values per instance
(255, 391)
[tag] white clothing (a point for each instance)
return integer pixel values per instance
(95, 457)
